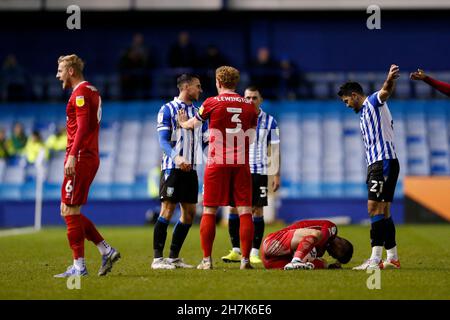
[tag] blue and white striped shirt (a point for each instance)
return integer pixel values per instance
(186, 143)
(267, 132)
(377, 128)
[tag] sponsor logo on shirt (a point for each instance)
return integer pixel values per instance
(79, 101)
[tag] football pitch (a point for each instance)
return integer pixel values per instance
(28, 263)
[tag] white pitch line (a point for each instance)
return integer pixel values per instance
(17, 231)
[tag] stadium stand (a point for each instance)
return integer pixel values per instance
(322, 140)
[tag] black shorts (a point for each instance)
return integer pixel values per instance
(178, 186)
(259, 191)
(381, 180)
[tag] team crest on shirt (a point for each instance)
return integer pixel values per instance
(79, 101)
(170, 191)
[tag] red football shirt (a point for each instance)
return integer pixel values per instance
(232, 121)
(327, 228)
(83, 112)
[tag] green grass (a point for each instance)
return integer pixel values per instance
(28, 263)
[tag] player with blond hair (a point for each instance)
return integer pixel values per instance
(227, 173)
(83, 114)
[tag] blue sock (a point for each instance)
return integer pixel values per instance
(233, 230)
(159, 236)
(258, 222)
(179, 235)
(389, 241)
(377, 231)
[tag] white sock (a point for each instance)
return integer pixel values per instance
(244, 260)
(207, 259)
(103, 247)
(237, 250)
(392, 254)
(254, 252)
(377, 251)
(295, 259)
(79, 263)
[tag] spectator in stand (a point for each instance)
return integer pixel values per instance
(57, 142)
(293, 83)
(211, 60)
(14, 79)
(4, 153)
(289, 80)
(16, 143)
(265, 73)
(34, 147)
(135, 67)
(183, 54)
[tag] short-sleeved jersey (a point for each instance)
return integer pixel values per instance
(84, 106)
(232, 120)
(327, 228)
(377, 129)
(267, 133)
(186, 143)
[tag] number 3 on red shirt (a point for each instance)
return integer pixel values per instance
(235, 118)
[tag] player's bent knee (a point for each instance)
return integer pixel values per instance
(167, 210)
(258, 211)
(375, 207)
(67, 210)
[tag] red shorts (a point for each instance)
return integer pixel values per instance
(75, 189)
(276, 249)
(221, 184)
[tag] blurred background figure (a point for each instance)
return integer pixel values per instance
(16, 143)
(210, 61)
(293, 83)
(57, 141)
(33, 147)
(14, 80)
(182, 54)
(265, 73)
(4, 154)
(135, 70)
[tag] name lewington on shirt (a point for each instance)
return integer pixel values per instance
(228, 99)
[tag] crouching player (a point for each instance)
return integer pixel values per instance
(302, 244)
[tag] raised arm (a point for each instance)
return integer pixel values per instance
(438, 85)
(389, 84)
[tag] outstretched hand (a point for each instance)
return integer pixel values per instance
(418, 75)
(182, 117)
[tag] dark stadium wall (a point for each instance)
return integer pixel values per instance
(315, 41)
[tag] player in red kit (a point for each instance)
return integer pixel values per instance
(83, 114)
(302, 244)
(439, 85)
(232, 123)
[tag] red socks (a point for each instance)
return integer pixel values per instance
(75, 234)
(207, 233)
(90, 230)
(305, 246)
(246, 230)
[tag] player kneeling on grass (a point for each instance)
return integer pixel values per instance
(302, 245)
(83, 114)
